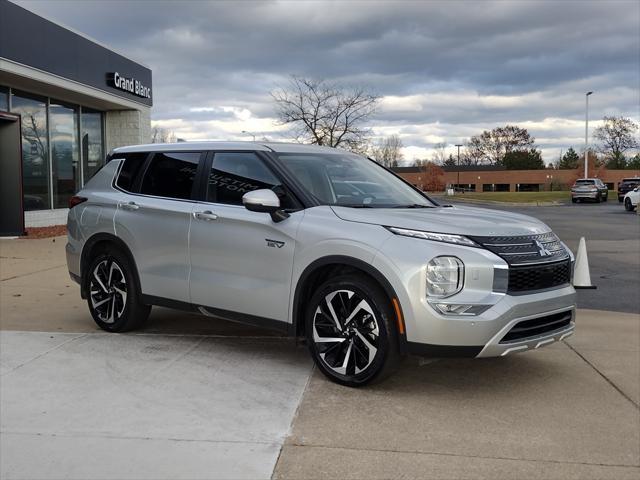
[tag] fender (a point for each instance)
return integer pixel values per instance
(352, 262)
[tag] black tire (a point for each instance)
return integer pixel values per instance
(376, 317)
(112, 292)
(628, 206)
(605, 198)
(574, 200)
(598, 198)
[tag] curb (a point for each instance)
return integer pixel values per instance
(496, 202)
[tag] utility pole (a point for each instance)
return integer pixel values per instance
(458, 183)
(586, 137)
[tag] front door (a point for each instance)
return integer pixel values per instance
(241, 261)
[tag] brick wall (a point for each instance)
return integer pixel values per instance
(544, 178)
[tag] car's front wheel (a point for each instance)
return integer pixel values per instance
(113, 296)
(350, 331)
(628, 206)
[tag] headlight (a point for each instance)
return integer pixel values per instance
(445, 276)
(437, 237)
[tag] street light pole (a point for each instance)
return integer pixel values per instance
(586, 136)
(249, 133)
(458, 145)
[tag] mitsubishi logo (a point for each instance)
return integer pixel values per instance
(542, 250)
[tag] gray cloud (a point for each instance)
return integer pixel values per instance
(466, 65)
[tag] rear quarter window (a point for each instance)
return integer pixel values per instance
(130, 170)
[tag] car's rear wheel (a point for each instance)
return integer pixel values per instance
(574, 200)
(113, 296)
(350, 331)
(598, 198)
(628, 206)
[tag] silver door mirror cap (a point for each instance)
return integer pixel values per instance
(263, 200)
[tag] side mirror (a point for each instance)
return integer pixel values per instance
(264, 201)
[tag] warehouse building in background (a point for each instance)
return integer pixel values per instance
(74, 100)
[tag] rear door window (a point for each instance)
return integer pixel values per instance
(171, 175)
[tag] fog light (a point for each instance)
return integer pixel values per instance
(445, 276)
(460, 309)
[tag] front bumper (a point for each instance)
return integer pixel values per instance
(484, 335)
(497, 347)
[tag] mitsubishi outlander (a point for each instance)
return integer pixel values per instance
(318, 243)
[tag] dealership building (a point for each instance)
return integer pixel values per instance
(65, 100)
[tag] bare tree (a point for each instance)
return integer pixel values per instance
(388, 152)
(325, 113)
(617, 135)
(439, 155)
(491, 146)
(162, 135)
(474, 152)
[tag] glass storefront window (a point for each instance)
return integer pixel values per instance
(4, 98)
(92, 142)
(35, 158)
(63, 134)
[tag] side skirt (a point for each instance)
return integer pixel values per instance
(245, 319)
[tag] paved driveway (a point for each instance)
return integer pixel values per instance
(194, 397)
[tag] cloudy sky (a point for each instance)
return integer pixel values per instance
(444, 70)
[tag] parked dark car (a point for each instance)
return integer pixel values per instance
(589, 189)
(626, 185)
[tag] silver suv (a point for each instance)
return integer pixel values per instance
(319, 243)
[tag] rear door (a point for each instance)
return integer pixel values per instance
(241, 261)
(153, 219)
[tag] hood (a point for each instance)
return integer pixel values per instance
(455, 220)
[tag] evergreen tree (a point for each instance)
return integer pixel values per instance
(569, 160)
(450, 162)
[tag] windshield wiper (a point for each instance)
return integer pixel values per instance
(413, 205)
(354, 205)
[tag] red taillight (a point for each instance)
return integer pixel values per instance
(75, 200)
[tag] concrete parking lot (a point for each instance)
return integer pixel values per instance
(195, 397)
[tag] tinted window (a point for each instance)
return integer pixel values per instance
(133, 163)
(171, 175)
(92, 149)
(234, 174)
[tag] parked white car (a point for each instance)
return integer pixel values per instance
(631, 199)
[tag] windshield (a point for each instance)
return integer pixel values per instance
(346, 179)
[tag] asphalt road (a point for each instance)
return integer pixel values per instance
(613, 247)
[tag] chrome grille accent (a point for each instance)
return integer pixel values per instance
(525, 249)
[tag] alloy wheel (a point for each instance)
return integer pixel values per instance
(346, 332)
(108, 291)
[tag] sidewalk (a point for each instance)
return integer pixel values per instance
(194, 397)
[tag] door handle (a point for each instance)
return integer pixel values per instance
(207, 215)
(129, 206)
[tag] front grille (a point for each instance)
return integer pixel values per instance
(525, 249)
(538, 277)
(537, 326)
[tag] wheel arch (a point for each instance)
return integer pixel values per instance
(93, 245)
(320, 269)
